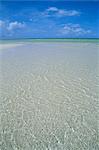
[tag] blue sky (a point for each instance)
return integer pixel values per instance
(49, 19)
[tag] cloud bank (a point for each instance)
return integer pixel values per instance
(15, 28)
(11, 28)
(7, 25)
(15, 25)
(54, 11)
(74, 29)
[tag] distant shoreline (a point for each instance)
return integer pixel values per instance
(31, 40)
(51, 38)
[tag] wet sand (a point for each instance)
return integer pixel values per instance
(49, 96)
(9, 45)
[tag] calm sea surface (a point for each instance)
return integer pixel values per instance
(49, 95)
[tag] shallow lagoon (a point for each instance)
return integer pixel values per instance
(49, 96)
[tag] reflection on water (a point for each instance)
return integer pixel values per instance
(49, 97)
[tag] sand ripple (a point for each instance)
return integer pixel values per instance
(48, 105)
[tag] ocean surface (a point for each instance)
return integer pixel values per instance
(49, 95)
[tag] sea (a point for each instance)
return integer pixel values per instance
(49, 94)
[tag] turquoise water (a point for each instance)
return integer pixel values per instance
(49, 40)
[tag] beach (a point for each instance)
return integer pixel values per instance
(49, 95)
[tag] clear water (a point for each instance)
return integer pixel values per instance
(49, 96)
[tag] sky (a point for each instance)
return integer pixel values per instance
(49, 19)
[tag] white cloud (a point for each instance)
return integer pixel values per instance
(54, 11)
(74, 29)
(15, 25)
(2, 23)
(8, 28)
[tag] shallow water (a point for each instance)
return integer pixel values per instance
(49, 96)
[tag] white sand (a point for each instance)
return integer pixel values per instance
(9, 45)
(49, 97)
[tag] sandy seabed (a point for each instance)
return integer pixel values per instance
(49, 96)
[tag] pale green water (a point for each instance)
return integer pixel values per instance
(49, 96)
(50, 40)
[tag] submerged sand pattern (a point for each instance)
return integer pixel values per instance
(49, 97)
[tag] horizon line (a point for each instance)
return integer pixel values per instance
(43, 38)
